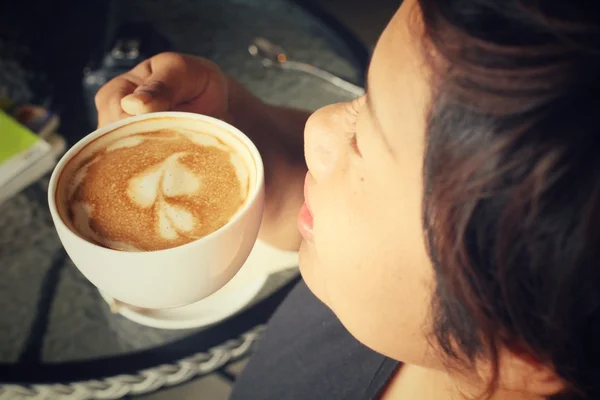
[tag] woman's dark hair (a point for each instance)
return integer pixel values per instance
(512, 178)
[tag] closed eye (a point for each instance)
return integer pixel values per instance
(352, 113)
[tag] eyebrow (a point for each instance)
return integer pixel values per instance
(371, 109)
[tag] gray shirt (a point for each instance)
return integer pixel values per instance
(307, 354)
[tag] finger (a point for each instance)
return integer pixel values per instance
(151, 96)
(174, 80)
(108, 98)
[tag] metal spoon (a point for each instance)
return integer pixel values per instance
(273, 55)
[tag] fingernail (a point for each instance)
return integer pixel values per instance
(143, 95)
(134, 104)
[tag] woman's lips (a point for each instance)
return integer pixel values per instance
(305, 217)
(305, 223)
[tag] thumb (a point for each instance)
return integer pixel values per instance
(170, 80)
(162, 84)
(151, 96)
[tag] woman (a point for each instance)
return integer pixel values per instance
(451, 215)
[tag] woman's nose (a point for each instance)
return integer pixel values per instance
(325, 146)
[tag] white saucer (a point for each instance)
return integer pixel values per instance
(228, 300)
(215, 308)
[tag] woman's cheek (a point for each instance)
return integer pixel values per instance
(325, 146)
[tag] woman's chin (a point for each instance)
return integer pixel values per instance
(310, 272)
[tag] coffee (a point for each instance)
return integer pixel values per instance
(138, 189)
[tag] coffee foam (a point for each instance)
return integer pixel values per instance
(155, 184)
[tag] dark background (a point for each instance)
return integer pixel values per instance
(53, 41)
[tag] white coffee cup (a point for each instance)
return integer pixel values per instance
(177, 276)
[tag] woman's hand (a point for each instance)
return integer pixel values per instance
(167, 81)
(177, 82)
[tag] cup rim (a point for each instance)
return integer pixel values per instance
(251, 198)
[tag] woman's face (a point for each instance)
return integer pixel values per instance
(364, 252)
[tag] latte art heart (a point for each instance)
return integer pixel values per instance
(156, 190)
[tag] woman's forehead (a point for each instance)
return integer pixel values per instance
(399, 87)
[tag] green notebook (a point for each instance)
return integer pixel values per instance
(19, 148)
